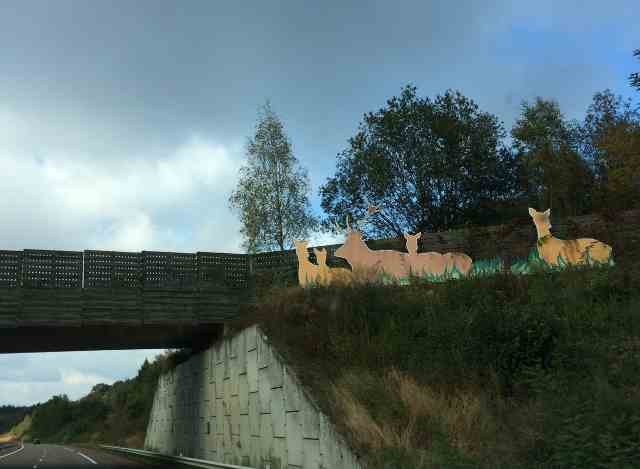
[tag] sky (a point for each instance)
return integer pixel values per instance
(123, 124)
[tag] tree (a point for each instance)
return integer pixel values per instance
(271, 195)
(553, 174)
(611, 142)
(634, 78)
(427, 165)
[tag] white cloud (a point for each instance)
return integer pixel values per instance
(74, 377)
(31, 377)
(62, 200)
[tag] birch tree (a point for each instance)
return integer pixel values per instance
(272, 192)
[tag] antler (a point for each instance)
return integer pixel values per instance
(371, 209)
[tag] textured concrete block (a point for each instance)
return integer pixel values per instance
(264, 351)
(233, 378)
(219, 379)
(235, 415)
(254, 414)
(219, 415)
(212, 363)
(226, 365)
(279, 456)
(219, 352)
(231, 345)
(226, 431)
(294, 438)
(252, 370)
(227, 387)
(292, 394)
(310, 421)
(242, 353)
(266, 437)
(311, 454)
(245, 432)
(252, 338)
(255, 451)
(243, 393)
(275, 372)
(236, 449)
(278, 414)
(264, 390)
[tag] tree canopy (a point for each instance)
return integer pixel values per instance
(272, 193)
(427, 165)
(611, 143)
(553, 174)
(634, 78)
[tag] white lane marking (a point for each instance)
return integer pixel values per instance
(16, 451)
(87, 458)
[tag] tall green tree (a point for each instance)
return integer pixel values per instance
(427, 165)
(634, 78)
(553, 173)
(272, 193)
(611, 142)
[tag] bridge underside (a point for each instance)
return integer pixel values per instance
(107, 337)
(49, 320)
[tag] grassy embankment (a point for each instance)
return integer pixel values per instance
(497, 371)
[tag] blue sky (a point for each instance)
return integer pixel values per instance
(123, 124)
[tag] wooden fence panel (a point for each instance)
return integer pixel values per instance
(228, 269)
(51, 269)
(10, 268)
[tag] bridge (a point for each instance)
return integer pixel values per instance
(99, 300)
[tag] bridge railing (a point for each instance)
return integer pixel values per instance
(146, 269)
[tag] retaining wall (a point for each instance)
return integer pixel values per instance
(238, 403)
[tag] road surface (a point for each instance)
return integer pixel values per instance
(46, 456)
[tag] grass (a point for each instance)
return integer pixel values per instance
(492, 371)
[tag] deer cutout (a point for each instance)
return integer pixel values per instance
(361, 258)
(573, 251)
(328, 274)
(434, 262)
(307, 271)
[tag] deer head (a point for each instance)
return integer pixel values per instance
(353, 242)
(542, 221)
(412, 242)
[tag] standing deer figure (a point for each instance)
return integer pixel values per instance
(573, 251)
(307, 271)
(360, 257)
(328, 274)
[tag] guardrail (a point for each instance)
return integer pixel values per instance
(177, 459)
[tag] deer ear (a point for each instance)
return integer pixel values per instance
(419, 234)
(406, 235)
(532, 212)
(547, 212)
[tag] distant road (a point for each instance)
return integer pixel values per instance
(45, 456)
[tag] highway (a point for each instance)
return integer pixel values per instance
(45, 456)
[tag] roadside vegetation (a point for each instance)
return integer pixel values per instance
(496, 371)
(111, 414)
